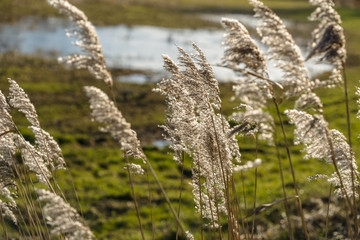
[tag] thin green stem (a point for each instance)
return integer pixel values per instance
(3, 224)
(223, 171)
(333, 158)
(181, 188)
(134, 197)
(301, 212)
(244, 196)
(327, 214)
(156, 178)
(239, 208)
(256, 175)
(286, 205)
(165, 196)
(200, 193)
(350, 145)
(150, 203)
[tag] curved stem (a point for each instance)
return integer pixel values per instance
(134, 197)
(327, 214)
(3, 224)
(350, 145)
(286, 206)
(256, 156)
(181, 188)
(301, 212)
(200, 193)
(245, 205)
(150, 203)
(165, 196)
(333, 158)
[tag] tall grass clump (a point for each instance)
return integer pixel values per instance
(200, 136)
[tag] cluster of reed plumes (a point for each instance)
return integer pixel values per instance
(195, 127)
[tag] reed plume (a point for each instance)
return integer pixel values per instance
(7, 153)
(282, 49)
(87, 41)
(64, 219)
(45, 155)
(311, 131)
(193, 126)
(42, 157)
(252, 87)
(104, 111)
(328, 41)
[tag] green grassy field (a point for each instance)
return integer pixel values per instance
(177, 13)
(94, 160)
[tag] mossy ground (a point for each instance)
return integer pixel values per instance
(96, 164)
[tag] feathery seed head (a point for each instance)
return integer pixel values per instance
(282, 48)
(358, 102)
(35, 160)
(189, 235)
(135, 168)
(311, 131)
(254, 121)
(87, 40)
(331, 45)
(346, 162)
(6, 122)
(63, 219)
(7, 182)
(192, 126)
(49, 149)
(253, 91)
(309, 101)
(335, 79)
(105, 112)
(249, 165)
(328, 38)
(19, 99)
(240, 48)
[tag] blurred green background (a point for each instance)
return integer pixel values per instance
(95, 161)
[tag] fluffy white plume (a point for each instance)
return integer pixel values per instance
(328, 40)
(104, 111)
(49, 149)
(19, 99)
(39, 159)
(33, 159)
(283, 49)
(193, 126)
(328, 37)
(135, 168)
(241, 49)
(243, 56)
(87, 40)
(249, 165)
(63, 219)
(46, 155)
(311, 130)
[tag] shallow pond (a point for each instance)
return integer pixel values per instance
(137, 47)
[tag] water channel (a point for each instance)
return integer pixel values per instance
(136, 47)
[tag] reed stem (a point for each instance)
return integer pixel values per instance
(286, 205)
(134, 197)
(165, 196)
(181, 188)
(256, 175)
(301, 212)
(3, 224)
(350, 145)
(327, 214)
